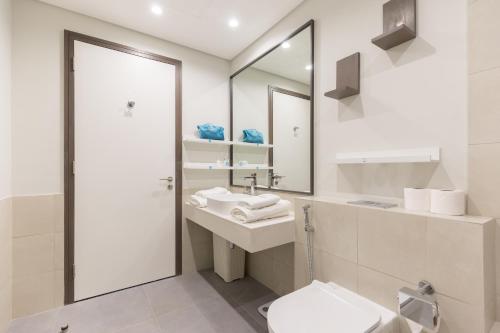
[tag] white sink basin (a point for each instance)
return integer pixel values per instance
(224, 203)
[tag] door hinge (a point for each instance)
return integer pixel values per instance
(72, 64)
(73, 166)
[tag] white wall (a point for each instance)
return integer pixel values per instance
(38, 99)
(414, 95)
(5, 98)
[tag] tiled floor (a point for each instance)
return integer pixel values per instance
(199, 302)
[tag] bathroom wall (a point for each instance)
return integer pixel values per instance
(375, 252)
(484, 115)
(38, 140)
(409, 94)
(5, 166)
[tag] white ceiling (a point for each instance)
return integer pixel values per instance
(291, 62)
(199, 24)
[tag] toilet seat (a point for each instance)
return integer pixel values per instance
(322, 308)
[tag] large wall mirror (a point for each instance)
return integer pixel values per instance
(272, 117)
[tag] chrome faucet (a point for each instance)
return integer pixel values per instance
(253, 183)
(275, 178)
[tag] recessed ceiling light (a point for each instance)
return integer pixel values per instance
(233, 23)
(157, 10)
(309, 67)
(285, 45)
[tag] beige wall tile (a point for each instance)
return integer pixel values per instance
(283, 254)
(283, 278)
(33, 294)
(301, 275)
(261, 268)
(33, 255)
(392, 243)
(336, 229)
(459, 317)
(58, 288)
(299, 218)
(59, 213)
(489, 238)
(498, 307)
(5, 304)
(484, 100)
(455, 259)
(497, 257)
(484, 33)
(484, 183)
(5, 241)
(380, 288)
(197, 257)
(330, 268)
(34, 215)
(59, 251)
(197, 247)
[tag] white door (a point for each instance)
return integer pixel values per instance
(124, 212)
(292, 141)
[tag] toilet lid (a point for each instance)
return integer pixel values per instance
(322, 308)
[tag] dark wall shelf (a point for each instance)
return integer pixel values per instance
(400, 23)
(348, 75)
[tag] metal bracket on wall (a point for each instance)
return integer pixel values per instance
(348, 77)
(400, 24)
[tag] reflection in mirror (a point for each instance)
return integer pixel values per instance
(272, 116)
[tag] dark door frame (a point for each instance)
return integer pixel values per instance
(270, 100)
(69, 149)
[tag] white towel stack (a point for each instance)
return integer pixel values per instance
(261, 207)
(199, 199)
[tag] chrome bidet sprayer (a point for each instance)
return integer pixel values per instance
(308, 227)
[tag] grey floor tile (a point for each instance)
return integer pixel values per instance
(44, 322)
(191, 303)
(251, 308)
(125, 308)
(185, 320)
(150, 326)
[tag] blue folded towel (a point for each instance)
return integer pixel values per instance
(211, 132)
(253, 136)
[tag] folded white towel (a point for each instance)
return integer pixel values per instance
(259, 201)
(212, 191)
(197, 201)
(245, 215)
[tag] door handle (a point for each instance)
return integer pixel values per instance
(169, 180)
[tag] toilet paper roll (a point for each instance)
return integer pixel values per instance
(417, 199)
(448, 202)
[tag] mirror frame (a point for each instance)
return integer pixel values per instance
(309, 24)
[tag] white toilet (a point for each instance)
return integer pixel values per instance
(328, 308)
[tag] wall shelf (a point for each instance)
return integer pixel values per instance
(400, 24)
(206, 166)
(253, 167)
(420, 155)
(348, 77)
(255, 145)
(189, 139)
(193, 139)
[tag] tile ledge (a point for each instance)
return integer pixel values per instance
(343, 199)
